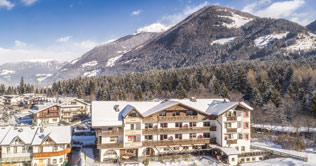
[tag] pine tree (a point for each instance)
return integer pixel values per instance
(22, 86)
(180, 91)
(313, 104)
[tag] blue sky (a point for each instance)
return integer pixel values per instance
(65, 29)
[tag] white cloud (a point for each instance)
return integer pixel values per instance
(19, 43)
(136, 12)
(28, 2)
(175, 18)
(6, 4)
(63, 39)
(289, 9)
(61, 51)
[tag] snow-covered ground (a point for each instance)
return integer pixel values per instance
(264, 41)
(89, 64)
(87, 159)
(223, 41)
(111, 61)
(91, 73)
(6, 72)
(303, 42)
(284, 128)
(311, 155)
(238, 20)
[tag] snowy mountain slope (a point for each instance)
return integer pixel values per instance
(104, 56)
(34, 71)
(312, 27)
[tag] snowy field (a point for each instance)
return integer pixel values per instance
(311, 155)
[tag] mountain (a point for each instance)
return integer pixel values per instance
(312, 26)
(211, 35)
(34, 71)
(104, 56)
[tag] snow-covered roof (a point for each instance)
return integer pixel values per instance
(25, 134)
(59, 134)
(230, 151)
(43, 108)
(104, 113)
(34, 136)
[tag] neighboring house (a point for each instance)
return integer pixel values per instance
(74, 109)
(36, 146)
(46, 115)
(127, 130)
(11, 100)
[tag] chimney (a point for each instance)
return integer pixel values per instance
(116, 108)
(193, 99)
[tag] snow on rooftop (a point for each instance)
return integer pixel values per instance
(59, 134)
(156, 27)
(111, 61)
(219, 108)
(223, 41)
(264, 41)
(26, 134)
(89, 64)
(237, 20)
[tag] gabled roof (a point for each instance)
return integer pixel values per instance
(26, 134)
(67, 100)
(159, 107)
(41, 109)
(3, 132)
(59, 134)
(218, 108)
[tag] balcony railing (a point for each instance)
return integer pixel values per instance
(231, 141)
(179, 142)
(110, 145)
(50, 154)
(109, 132)
(231, 130)
(179, 130)
(173, 119)
(233, 118)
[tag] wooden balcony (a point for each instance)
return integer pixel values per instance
(231, 130)
(233, 118)
(132, 119)
(231, 141)
(109, 132)
(110, 145)
(133, 132)
(173, 119)
(179, 130)
(249, 154)
(51, 154)
(179, 142)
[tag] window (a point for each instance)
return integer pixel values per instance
(129, 151)
(15, 149)
(233, 159)
(206, 124)
(228, 125)
(131, 138)
(23, 149)
(179, 124)
(132, 114)
(239, 124)
(237, 148)
(8, 150)
(132, 126)
(163, 113)
(113, 139)
(253, 159)
(163, 125)
(163, 137)
(246, 125)
(206, 135)
(192, 135)
(240, 136)
(148, 125)
(54, 161)
(246, 136)
(61, 160)
(242, 160)
(148, 137)
(178, 136)
(185, 148)
(176, 113)
(246, 114)
(192, 124)
(165, 149)
(248, 159)
(242, 148)
(176, 148)
(55, 148)
(190, 113)
(54, 119)
(260, 158)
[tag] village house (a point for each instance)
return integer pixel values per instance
(129, 130)
(36, 146)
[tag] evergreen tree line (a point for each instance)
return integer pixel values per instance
(279, 92)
